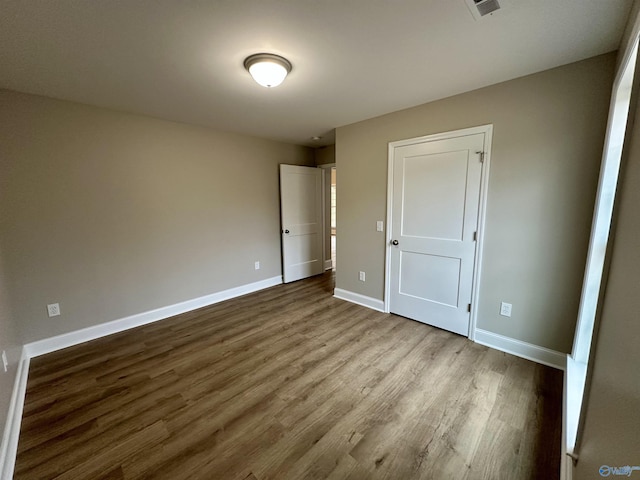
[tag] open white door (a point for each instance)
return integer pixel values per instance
(302, 227)
(434, 219)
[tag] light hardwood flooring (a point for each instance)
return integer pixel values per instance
(289, 383)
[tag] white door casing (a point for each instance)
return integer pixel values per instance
(302, 221)
(435, 208)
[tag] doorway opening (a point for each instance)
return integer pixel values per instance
(330, 215)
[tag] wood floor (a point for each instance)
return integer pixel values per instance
(289, 383)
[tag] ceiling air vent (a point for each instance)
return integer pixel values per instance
(480, 8)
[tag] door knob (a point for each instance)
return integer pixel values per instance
(394, 242)
(286, 231)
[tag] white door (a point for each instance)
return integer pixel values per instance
(434, 217)
(302, 228)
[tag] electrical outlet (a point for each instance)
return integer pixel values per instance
(53, 309)
(505, 309)
(5, 363)
(361, 276)
(379, 226)
(257, 265)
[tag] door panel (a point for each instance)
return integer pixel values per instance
(431, 278)
(435, 202)
(436, 179)
(301, 214)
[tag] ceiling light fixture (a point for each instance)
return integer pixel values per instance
(267, 69)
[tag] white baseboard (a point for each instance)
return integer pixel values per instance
(328, 264)
(9, 446)
(363, 300)
(518, 348)
(65, 340)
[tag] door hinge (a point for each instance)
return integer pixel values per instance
(481, 156)
(469, 308)
(475, 236)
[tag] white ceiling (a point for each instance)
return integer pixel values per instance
(352, 59)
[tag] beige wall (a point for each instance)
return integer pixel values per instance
(325, 155)
(112, 214)
(9, 342)
(547, 143)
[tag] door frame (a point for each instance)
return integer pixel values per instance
(487, 130)
(326, 227)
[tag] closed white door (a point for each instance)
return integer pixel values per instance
(435, 203)
(302, 228)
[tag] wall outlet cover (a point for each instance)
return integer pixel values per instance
(505, 309)
(53, 309)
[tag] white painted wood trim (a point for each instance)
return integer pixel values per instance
(575, 379)
(487, 130)
(482, 215)
(387, 230)
(601, 224)
(627, 54)
(363, 300)
(566, 471)
(328, 264)
(324, 215)
(441, 136)
(9, 446)
(522, 349)
(65, 340)
(566, 465)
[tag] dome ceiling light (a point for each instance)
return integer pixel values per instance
(267, 69)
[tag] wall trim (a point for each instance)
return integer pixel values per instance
(328, 264)
(359, 299)
(48, 345)
(522, 349)
(9, 446)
